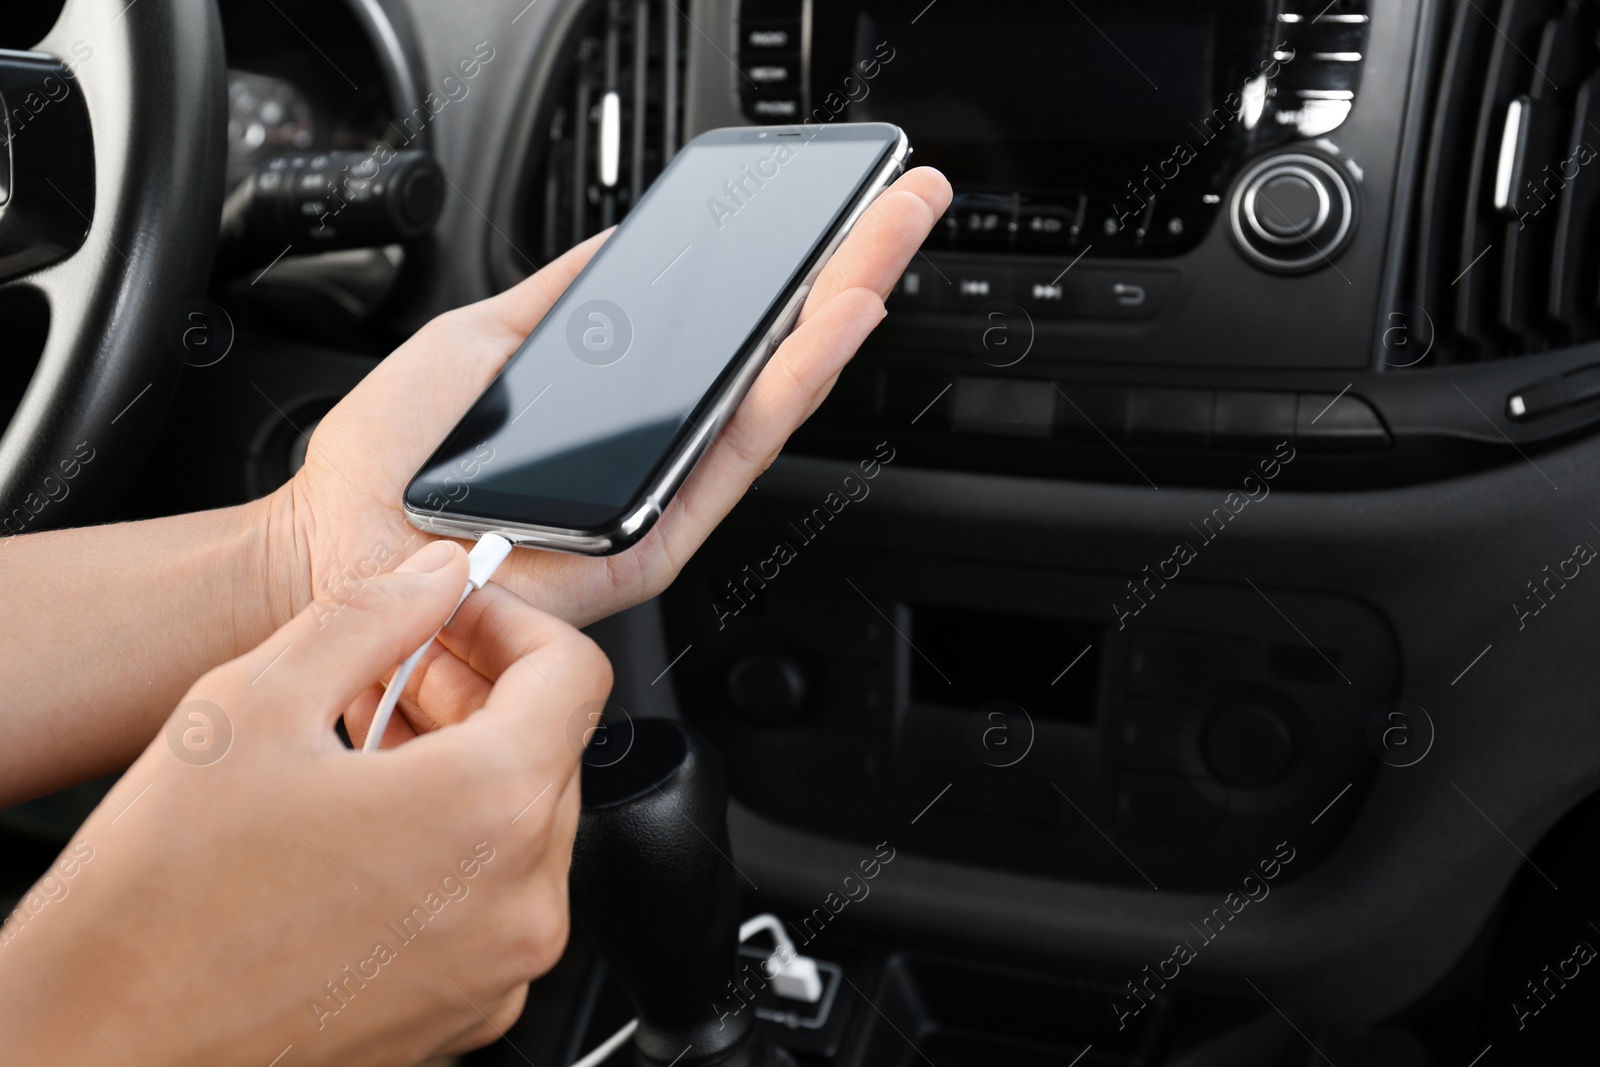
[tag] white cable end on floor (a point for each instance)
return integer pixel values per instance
(796, 978)
(793, 976)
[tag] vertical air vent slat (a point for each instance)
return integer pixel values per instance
(1504, 254)
(610, 142)
(1507, 75)
(582, 119)
(1566, 53)
(1531, 143)
(641, 90)
(669, 96)
(558, 153)
(1574, 277)
(615, 112)
(1449, 157)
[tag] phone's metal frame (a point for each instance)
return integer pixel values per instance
(637, 521)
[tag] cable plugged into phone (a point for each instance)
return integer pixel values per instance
(484, 559)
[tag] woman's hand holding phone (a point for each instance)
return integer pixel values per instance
(339, 519)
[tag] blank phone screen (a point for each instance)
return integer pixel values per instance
(593, 402)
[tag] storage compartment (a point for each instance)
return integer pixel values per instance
(935, 1011)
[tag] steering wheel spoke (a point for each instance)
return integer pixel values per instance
(112, 159)
(46, 162)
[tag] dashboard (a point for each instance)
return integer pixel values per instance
(287, 93)
(1233, 433)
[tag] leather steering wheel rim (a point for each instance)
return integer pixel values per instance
(152, 79)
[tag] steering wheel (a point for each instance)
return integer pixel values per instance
(112, 153)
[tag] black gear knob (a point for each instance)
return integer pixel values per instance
(654, 890)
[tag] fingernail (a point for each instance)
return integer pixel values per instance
(431, 557)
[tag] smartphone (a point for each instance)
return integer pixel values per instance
(599, 416)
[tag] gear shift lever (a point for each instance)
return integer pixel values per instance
(654, 890)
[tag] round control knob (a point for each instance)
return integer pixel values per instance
(1292, 212)
(767, 687)
(1247, 745)
(1288, 204)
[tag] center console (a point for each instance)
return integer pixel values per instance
(1164, 266)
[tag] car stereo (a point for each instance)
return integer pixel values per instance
(1106, 123)
(1168, 241)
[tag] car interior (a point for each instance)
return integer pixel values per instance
(1200, 672)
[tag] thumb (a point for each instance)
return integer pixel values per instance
(322, 658)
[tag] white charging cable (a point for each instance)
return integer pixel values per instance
(603, 1051)
(484, 559)
(794, 977)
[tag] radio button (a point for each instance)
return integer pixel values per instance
(1252, 420)
(1096, 413)
(966, 285)
(917, 399)
(983, 227)
(1177, 220)
(773, 107)
(1094, 292)
(977, 220)
(767, 688)
(769, 35)
(1170, 416)
(913, 291)
(1292, 212)
(1004, 406)
(774, 73)
(1048, 225)
(1167, 807)
(1248, 745)
(1287, 206)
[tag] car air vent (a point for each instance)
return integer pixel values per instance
(1505, 258)
(616, 117)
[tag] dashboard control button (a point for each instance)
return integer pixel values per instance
(1064, 289)
(1292, 212)
(1005, 406)
(913, 291)
(768, 688)
(1184, 666)
(1247, 745)
(917, 399)
(1174, 220)
(774, 107)
(1049, 226)
(769, 35)
(1252, 420)
(1122, 294)
(1170, 416)
(1164, 806)
(1553, 394)
(968, 284)
(984, 221)
(1288, 205)
(980, 227)
(1328, 422)
(1095, 413)
(776, 73)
